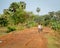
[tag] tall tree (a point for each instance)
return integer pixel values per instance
(51, 14)
(14, 6)
(57, 13)
(3, 21)
(22, 5)
(38, 9)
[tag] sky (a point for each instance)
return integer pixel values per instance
(31, 5)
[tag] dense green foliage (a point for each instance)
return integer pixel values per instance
(3, 21)
(16, 15)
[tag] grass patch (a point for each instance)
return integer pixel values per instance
(21, 27)
(51, 41)
(3, 31)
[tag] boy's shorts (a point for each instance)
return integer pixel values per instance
(39, 29)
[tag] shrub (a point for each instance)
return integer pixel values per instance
(55, 25)
(31, 24)
(11, 28)
(20, 27)
(3, 21)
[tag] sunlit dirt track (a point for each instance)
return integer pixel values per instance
(27, 38)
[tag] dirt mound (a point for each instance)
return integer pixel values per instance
(28, 38)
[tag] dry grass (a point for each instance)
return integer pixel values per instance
(3, 31)
(53, 40)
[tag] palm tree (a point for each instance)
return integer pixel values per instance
(38, 9)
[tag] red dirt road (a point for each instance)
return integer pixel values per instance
(28, 38)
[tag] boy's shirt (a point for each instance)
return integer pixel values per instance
(39, 26)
